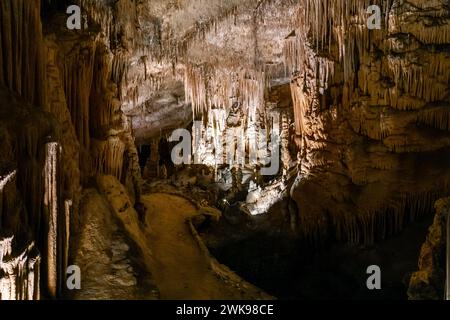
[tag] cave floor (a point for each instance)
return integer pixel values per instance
(181, 270)
(111, 267)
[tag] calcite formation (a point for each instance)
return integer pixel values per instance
(360, 115)
(370, 116)
(19, 271)
(61, 124)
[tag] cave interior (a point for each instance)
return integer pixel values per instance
(212, 150)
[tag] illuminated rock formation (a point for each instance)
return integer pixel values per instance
(19, 271)
(370, 116)
(358, 117)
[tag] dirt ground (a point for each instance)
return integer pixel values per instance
(181, 271)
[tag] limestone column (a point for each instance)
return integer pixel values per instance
(51, 206)
(285, 155)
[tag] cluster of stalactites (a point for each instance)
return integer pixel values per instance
(19, 273)
(228, 103)
(5, 247)
(390, 219)
(368, 224)
(252, 85)
(100, 12)
(338, 33)
(327, 24)
(21, 50)
(195, 89)
(77, 79)
(434, 14)
(427, 81)
(293, 53)
(393, 84)
(208, 89)
(108, 156)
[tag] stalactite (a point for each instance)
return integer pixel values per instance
(220, 90)
(195, 89)
(5, 247)
(78, 77)
(108, 156)
(292, 53)
(119, 67)
(21, 57)
(101, 13)
(104, 105)
(301, 104)
(67, 218)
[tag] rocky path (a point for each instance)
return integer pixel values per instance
(162, 261)
(181, 270)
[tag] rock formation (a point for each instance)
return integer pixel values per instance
(370, 116)
(427, 283)
(62, 124)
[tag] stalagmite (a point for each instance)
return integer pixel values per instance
(67, 218)
(108, 156)
(51, 204)
(78, 79)
(195, 88)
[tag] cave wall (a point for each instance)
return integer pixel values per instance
(371, 110)
(428, 283)
(61, 125)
